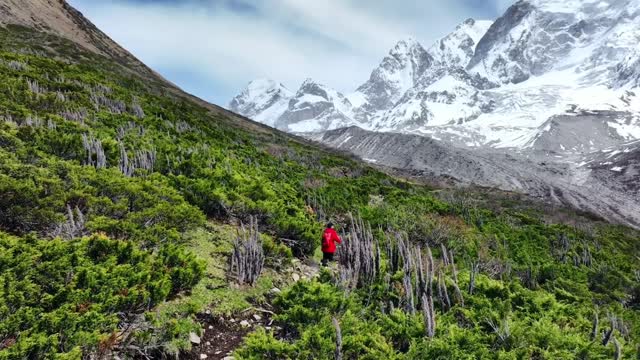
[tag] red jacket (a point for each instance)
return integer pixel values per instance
(329, 239)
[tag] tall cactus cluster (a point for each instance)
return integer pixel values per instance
(35, 87)
(100, 99)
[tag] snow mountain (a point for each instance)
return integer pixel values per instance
(496, 83)
(457, 48)
(544, 101)
(316, 107)
(263, 100)
(398, 72)
(407, 66)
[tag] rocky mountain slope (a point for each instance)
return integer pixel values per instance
(603, 182)
(59, 18)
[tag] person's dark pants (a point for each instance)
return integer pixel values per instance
(326, 258)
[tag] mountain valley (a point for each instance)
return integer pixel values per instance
(141, 222)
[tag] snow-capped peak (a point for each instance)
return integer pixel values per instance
(310, 86)
(567, 6)
(475, 29)
(263, 100)
(316, 107)
(399, 71)
(260, 86)
(457, 48)
(405, 48)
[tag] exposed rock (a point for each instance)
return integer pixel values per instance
(194, 338)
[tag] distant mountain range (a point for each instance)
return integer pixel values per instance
(492, 84)
(553, 81)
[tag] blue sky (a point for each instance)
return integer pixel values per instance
(213, 48)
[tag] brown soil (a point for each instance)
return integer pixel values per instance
(223, 335)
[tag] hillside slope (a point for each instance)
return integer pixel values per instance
(121, 200)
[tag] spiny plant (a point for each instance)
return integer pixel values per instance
(247, 259)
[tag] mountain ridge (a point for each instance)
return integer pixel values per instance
(517, 86)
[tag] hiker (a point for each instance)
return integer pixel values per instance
(329, 239)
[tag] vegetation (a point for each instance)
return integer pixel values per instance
(111, 183)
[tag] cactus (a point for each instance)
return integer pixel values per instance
(594, 327)
(617, 355)
(100, 100)
(427, 298)
(16, 65)
(456, 287)
(443, 294)
(136, 109)
(142, 160)
(360, 253)
(33, 121)
(78, 116)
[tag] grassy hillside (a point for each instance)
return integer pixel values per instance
(113, 189)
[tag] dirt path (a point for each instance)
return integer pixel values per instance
(222, 335)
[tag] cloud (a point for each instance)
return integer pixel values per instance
(213, 48)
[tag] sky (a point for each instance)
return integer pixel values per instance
(213, 48)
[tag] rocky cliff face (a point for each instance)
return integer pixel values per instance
(398, 72)
(457, 48)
